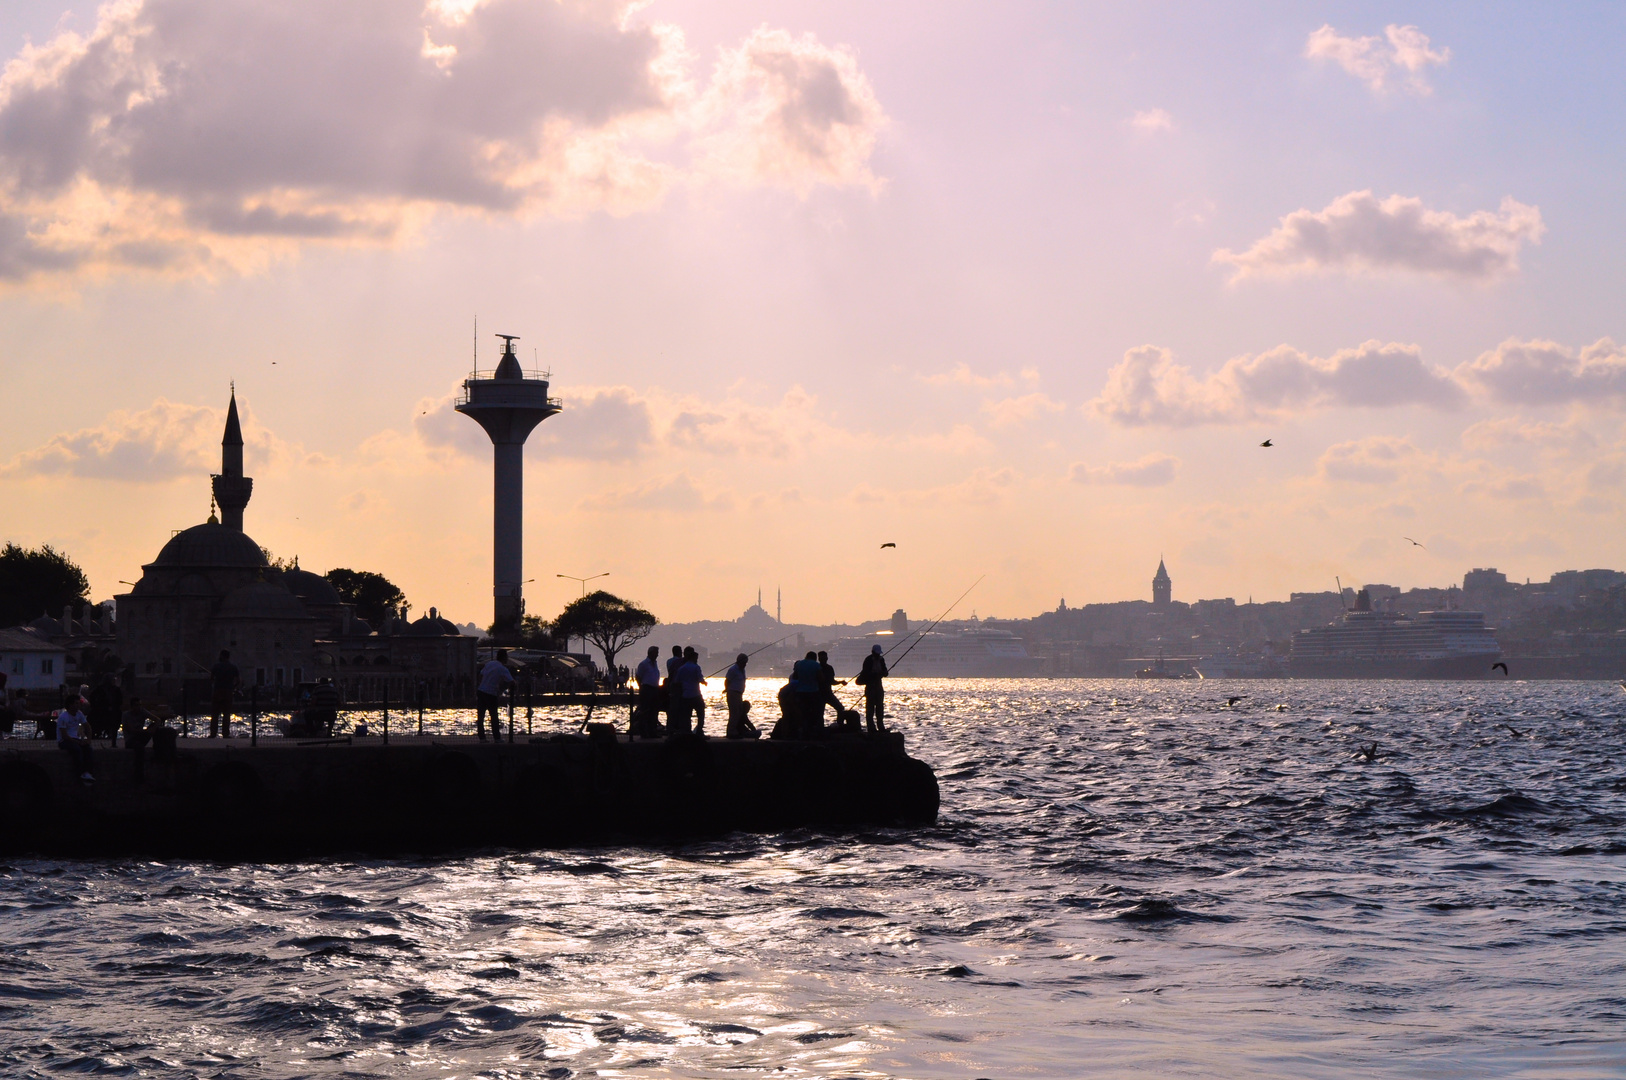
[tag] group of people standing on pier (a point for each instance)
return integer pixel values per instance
(676, 693)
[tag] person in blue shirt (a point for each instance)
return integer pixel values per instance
(807, 691)
(691, 704)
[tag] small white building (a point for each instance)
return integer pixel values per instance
(30, 662)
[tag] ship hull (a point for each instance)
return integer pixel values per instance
(1340, 667)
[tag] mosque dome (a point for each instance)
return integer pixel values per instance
(432, 625)
(309, 587)
(261, 600)
(210, 546)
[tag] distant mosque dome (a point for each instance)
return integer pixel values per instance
(432, 625)
(210, 546)
(311, 588)
(261, 600)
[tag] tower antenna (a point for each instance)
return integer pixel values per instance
(477, 345)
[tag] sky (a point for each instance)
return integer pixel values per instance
(1018, 287)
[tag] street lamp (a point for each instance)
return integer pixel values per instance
(584, 581)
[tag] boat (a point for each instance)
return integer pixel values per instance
(1363, 643)
(971, 653)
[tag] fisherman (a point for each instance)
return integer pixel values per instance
(739, 723)
(136, 720)
(494, 679)
(869, 678)
(807, 693)
(828, 682)
(644, 722)
(323, 711)
(73, 737)
(106, 703)
(674, 693)
(690, 679)
(224, 680)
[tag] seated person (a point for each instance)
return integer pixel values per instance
(323, 711)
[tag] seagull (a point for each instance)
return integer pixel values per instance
(1370, 753)
(1517, 734)
(1231, 701)
(1413, 542)
(1501, 665)
(1267, 442)
(889, 544)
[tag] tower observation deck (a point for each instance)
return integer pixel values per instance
(508, 403)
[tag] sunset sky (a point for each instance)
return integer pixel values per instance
(1018, 287)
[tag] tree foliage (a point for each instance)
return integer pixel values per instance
(536, 632)
(38, 581)
(606, 620)
(373, 595)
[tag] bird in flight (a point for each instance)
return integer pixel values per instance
(889, 544)
(1370, 753)
(1267, 442)
(1501, 665)
(1413, 542)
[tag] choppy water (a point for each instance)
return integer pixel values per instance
(1126, 879)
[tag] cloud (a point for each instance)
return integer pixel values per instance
(1546, 373)
(1358, 233)
(1012, 411)
(787, 110)
(676, 495)
(1148, 388)
(1152, 120)
(962, 375)
(1376, 460)
(191, 137)
(1376, 61)
(595, 424)
(164, 441)
(1154, 470)
(1509, 433)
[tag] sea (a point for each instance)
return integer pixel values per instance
(1148, 879)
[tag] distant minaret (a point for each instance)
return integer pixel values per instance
(508, 404)
(778, 605)
(232, 488)
(1162, 587)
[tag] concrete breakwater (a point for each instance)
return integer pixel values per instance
(224, 798)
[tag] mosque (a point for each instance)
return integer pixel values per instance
(212, 588)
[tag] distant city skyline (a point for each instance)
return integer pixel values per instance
(1021, 289)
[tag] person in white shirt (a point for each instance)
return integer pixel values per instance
(739, 724)
(494, 679)
(73, 735)
(645, 720)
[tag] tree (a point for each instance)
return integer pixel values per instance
(373, 595)
(39, 581)
(535, 632)
(606, 620)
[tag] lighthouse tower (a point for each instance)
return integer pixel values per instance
(508, 404)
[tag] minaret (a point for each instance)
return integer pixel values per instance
(508, 404)
(232, 488)
(1162, 587)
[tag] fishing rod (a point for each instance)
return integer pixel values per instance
(937, 620)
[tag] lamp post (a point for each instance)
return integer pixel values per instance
(584, 581)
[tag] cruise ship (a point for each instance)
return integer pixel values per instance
(979, 653)
(1387, 645)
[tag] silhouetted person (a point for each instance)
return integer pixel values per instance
(674, 693)
(648, 675)
(828, 680)
(691, 703)
(136, 720)
(494, 679)
(73, 737)
(739, 724)
(807, 692)
(106, 704)
(322, 712)
(870, 678)
(224, 681)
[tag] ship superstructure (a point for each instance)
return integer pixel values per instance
(1389, 645)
